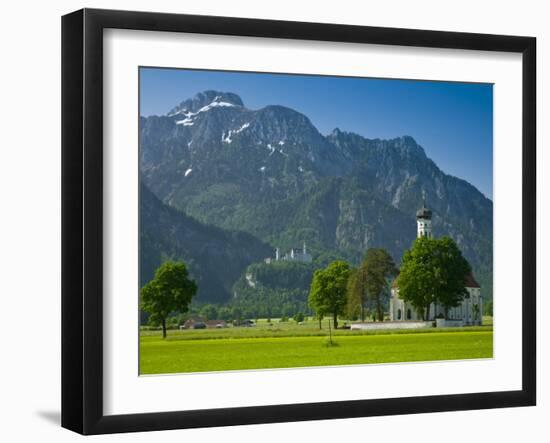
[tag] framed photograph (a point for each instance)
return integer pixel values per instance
(268, 221)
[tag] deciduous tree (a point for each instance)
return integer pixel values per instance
(171, 290)
(433, 271)
(328, 290)
(454, 269)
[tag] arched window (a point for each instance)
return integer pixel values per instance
(399, 314)
(409, 314)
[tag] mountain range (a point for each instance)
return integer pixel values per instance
(246, 181)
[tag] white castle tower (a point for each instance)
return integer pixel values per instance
(424, 221)
(294, 254)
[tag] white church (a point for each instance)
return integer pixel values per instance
(468, 313)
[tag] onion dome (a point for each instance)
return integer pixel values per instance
(424, 213)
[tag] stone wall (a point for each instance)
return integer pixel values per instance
(442, 323)
(392, 325)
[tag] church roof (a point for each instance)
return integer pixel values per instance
(394, 284)
(471, 281)
(424, 212)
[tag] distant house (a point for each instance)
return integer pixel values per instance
(199, 322)
(190, 322)
(216, 324)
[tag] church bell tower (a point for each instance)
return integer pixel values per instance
(424, 221)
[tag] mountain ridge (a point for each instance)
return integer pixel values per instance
(271, 173)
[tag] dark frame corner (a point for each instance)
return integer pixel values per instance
(82, 254)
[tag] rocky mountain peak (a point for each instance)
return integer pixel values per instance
(279, 122)
(271, 174)
(409, 144)
(207, 99)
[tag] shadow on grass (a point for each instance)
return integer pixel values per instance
(331, 344)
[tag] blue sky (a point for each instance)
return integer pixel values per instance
(453, 122)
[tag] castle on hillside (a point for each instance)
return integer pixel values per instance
(469, 312)
(295, 254)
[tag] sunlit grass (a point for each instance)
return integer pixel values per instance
(292, 345)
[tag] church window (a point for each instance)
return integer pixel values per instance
(409, 314)
(399, 314)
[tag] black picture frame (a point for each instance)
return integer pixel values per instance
(82, 218)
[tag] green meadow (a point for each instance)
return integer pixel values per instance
(290, 345)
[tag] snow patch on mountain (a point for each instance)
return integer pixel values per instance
(188, 121)
(232, 132)
(178, 112)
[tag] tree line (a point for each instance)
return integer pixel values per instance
(340, 289)
(432, 271)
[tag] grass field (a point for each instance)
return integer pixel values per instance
(286, 345)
